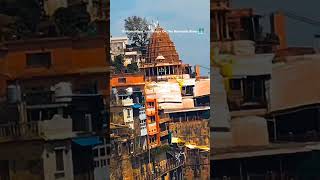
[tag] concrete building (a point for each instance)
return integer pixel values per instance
(175, 103)
(53, 126)
(264, 123)
(117, 46)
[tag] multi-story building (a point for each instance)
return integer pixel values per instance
(53, 128)
(175, 102)
(117, 46)
(263, 124)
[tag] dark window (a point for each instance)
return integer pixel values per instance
(254, 90)
(150, 105)
(121, 80)
(152, 119)
(187, 91)
(108, 150)
(235, 84)
(59, 160)
(95, 153)
(103, 163)
(96, 163)
(102, 151)
(128, 113)
(39, 60)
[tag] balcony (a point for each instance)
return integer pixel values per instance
(152, 129)
(127, 102)
(164, 120)
(150, 111)
(55, 128)
(161, 170)
(164, 133)
(11, 131)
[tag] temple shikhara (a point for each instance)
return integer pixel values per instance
(162, 60)
(165, 106)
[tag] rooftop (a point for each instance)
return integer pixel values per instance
(254, 151)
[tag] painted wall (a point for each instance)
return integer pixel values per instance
(49, 161)
(68, 56)
(128, 116)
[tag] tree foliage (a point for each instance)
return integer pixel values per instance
(134, 24)
(26, 21)
(132, 68)
(118, 64)
(71, 21)
(26, 15)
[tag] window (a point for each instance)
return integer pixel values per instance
(128, 113)
(96, 164)
(59, 160)
(152, 119)
(95, 153)
(151, 104)
(187, 90)
(153, 139)
(254, 90)
(103, 163)
(235, 84)
(108, 150)
(102, 151)
(39, 59)
(122, 80)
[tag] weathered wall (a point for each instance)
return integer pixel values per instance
(23, 160)
(56, 128)
(49, 160)
(194, 132)
(250, 131)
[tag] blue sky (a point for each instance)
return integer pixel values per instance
(172, 15)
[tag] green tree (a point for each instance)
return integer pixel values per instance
(134, 24)
(26, 16)
(71, 21)
(132, 68)
(119, 64)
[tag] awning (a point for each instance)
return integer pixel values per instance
(136, 106)
(87, 141)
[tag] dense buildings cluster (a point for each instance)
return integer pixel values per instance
(159, 114)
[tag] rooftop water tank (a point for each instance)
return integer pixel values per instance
(129, 91)
(63, 92)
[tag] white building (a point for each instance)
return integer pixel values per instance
(118, 46)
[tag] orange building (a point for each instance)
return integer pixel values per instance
(81, 61)
(153, 122)
(123, 80)
(121, 111)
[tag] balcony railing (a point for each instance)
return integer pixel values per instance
(55, 128)
(164, 133)
(12, 130)
(163, 120)
(171, 165)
